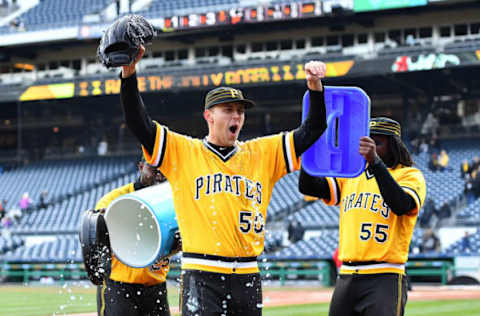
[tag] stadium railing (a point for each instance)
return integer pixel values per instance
(281, 271)
(443, 269)
(28, 272)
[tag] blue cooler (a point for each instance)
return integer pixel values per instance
(335, 154)
(142, 225)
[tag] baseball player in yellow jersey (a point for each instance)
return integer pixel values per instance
(378, 211)
(134, 291)
(221, 190)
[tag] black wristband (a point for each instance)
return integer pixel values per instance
(376, 163)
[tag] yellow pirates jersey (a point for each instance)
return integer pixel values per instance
(152, 275)
(369, 230)
(221, 201)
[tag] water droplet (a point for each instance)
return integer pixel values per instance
(229, 296)
(139, 293)
(140, 224)
(138, 237)
(219, 244)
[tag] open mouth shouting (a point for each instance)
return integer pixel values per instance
(233, 128)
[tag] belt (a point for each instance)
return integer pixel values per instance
(219, 261)
(361, 263)
(365, 266)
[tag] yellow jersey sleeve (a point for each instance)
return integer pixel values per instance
(108, 198)
(335, 188)
(413, 182)
(169, 151)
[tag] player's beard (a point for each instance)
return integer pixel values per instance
(388, 159)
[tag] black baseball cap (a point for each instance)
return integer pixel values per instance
(385, 126)
(226, 94)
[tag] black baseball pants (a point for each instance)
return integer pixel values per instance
(369, 295)
(126, 299)
(214, 294)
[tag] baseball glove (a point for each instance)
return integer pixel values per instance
(121, 41)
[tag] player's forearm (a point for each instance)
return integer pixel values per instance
(313, 126)
(313, 186)
(396, 198)
(136, 116)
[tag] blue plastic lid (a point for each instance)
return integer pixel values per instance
(335, 153)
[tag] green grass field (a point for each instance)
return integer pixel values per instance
(62, 300)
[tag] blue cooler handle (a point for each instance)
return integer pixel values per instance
(331, 132)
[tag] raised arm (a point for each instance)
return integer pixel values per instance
(313, 186)
(316, 122)
(136, 116)
(399, 201)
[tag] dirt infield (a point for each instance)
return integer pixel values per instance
(419, 293)
(285, 297)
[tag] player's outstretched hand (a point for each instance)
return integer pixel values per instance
(129, 70)
(368, 149)
(315, 71)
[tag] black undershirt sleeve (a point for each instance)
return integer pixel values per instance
(313, 186)
(136, 116)
(313, 126)
(396, 198)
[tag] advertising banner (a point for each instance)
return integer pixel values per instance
(267, 73)
(374, 5)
